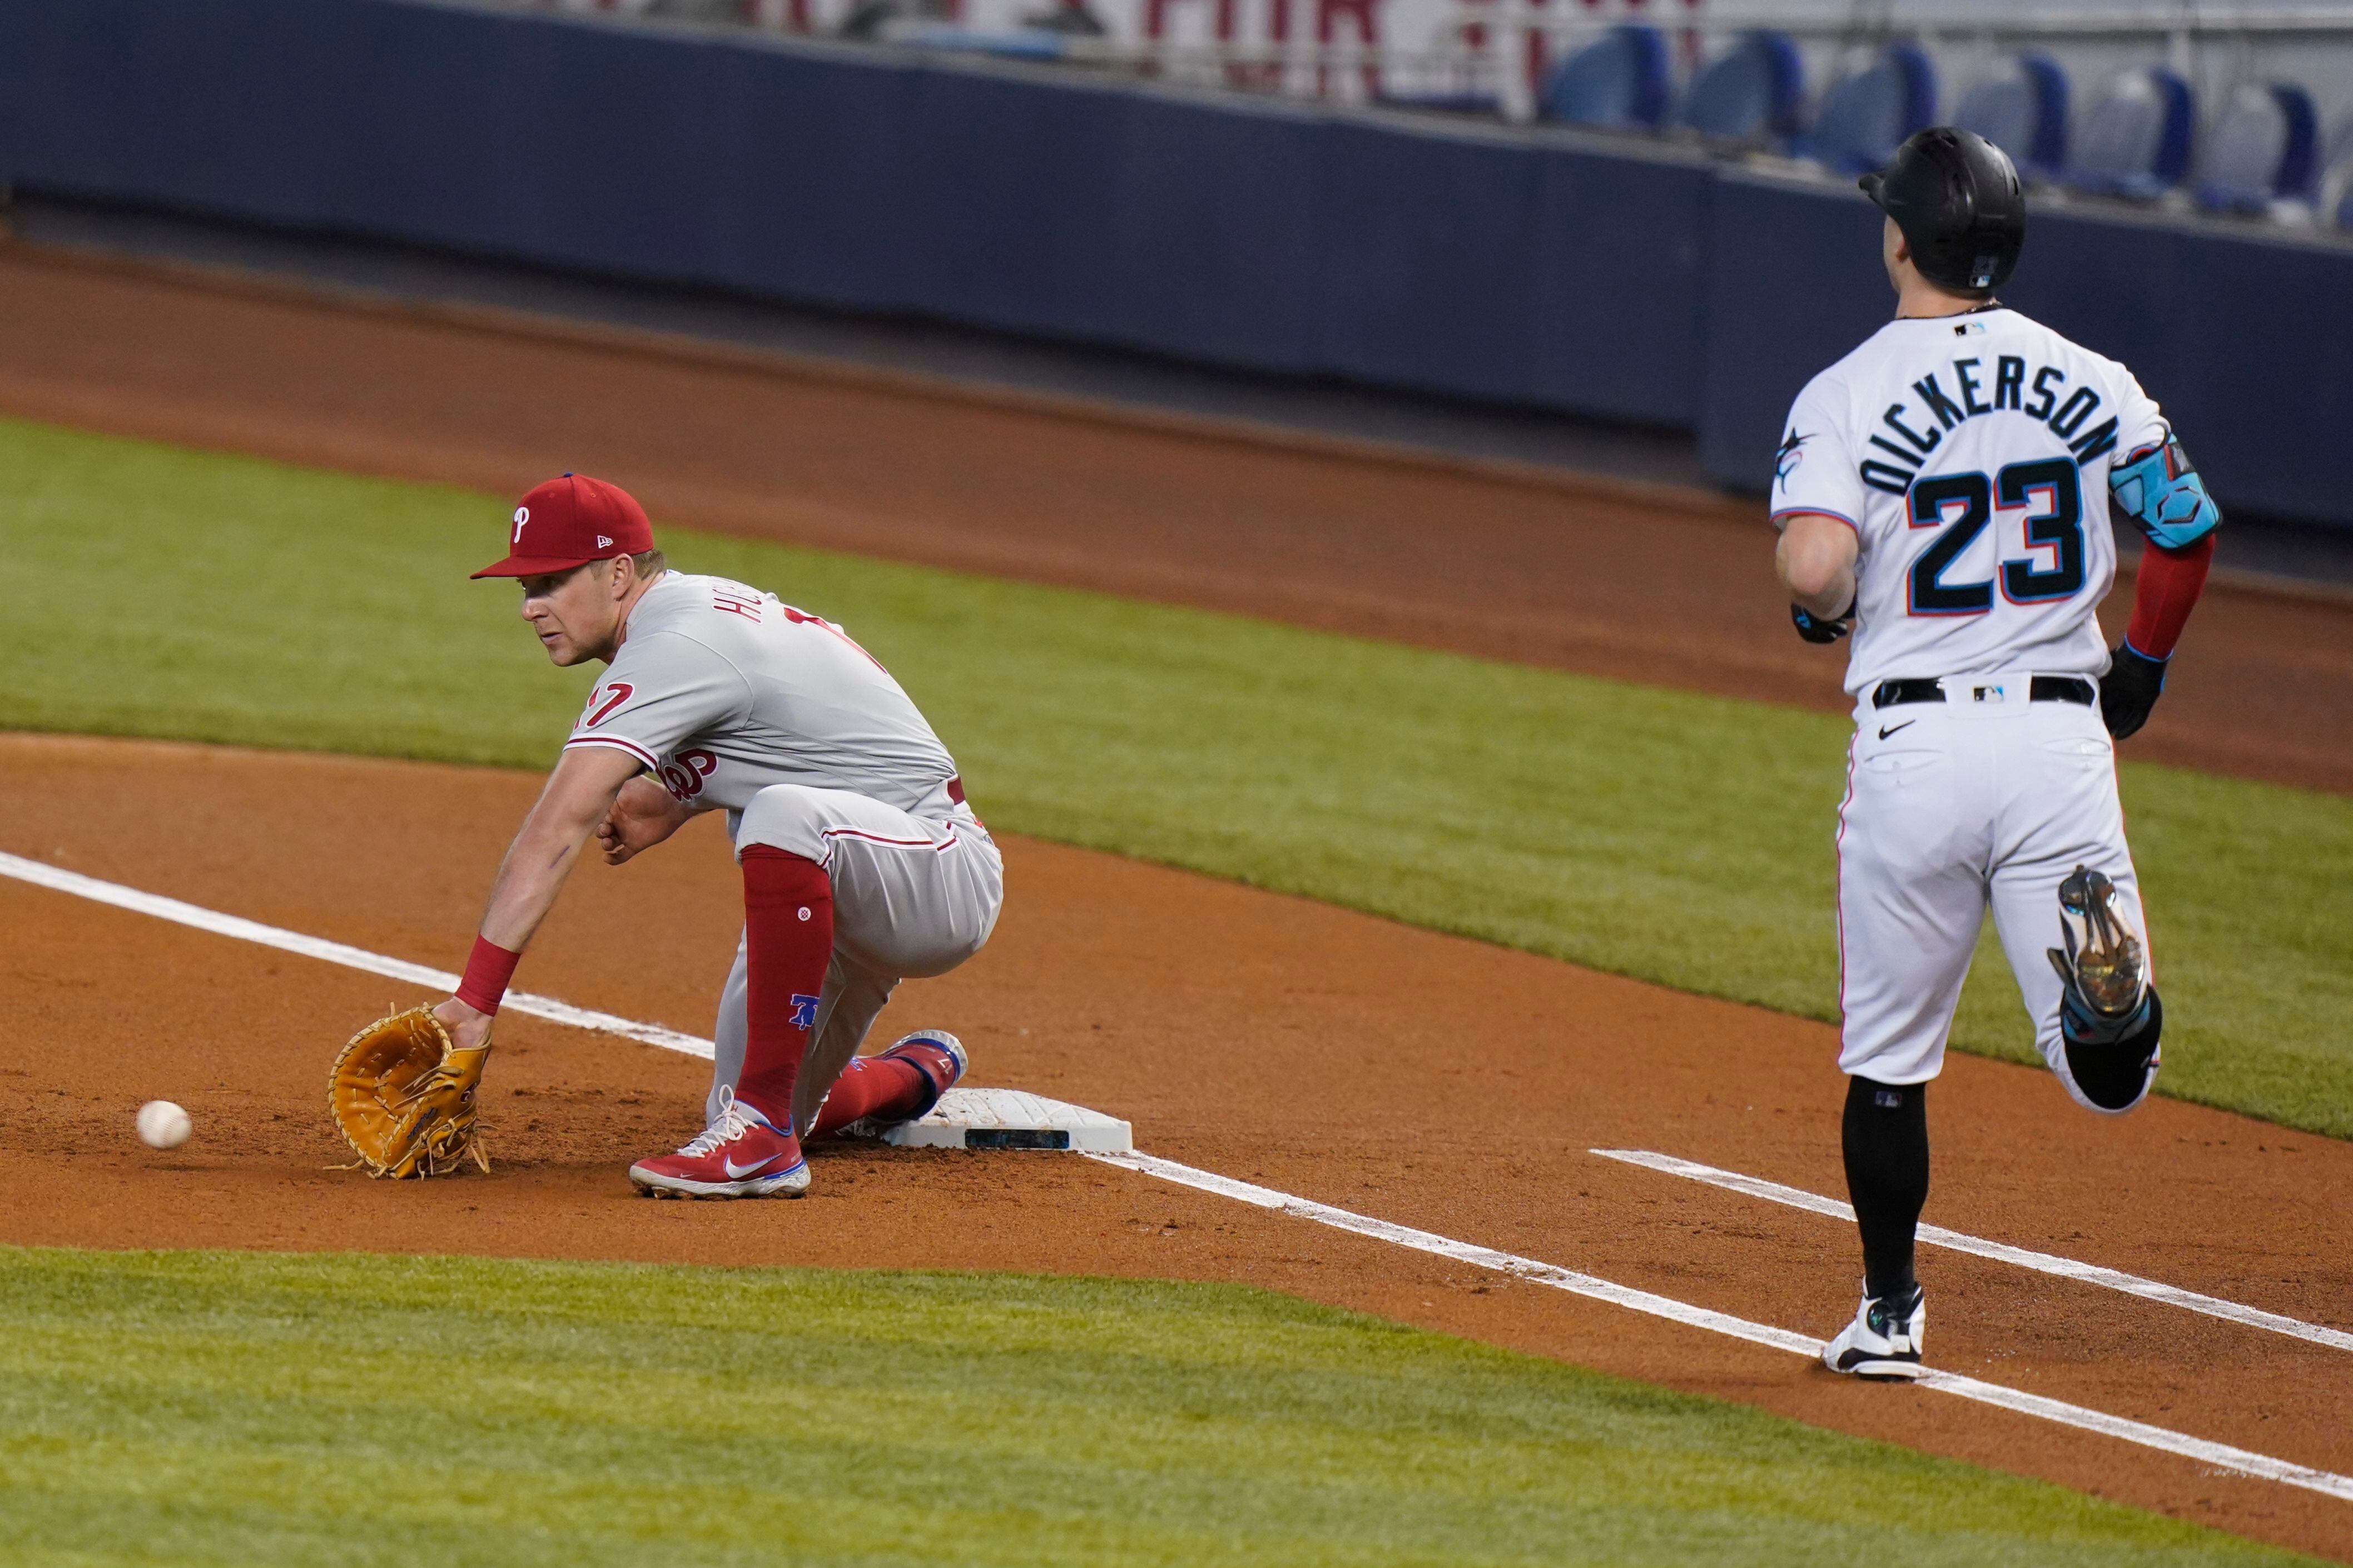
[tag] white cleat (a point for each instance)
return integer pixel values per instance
(1883, 1341)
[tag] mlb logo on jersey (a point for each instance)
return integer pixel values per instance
(803, 1011)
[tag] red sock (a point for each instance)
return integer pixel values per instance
(788, 934)
(872, 1086)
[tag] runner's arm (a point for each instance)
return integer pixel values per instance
(1815, 558)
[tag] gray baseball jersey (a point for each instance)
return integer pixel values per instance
(723, 691)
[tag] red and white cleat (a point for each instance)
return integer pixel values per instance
(741, 1154)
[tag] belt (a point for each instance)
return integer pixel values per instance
(1927, 689)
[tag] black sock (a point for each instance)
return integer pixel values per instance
(1886, 1139)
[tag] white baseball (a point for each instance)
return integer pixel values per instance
(164, 1125)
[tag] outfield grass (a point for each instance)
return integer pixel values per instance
(254, 1409)
(1673, 837)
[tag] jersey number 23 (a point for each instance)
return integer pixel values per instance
(1961, 505)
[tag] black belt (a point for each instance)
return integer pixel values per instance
(2041, 689)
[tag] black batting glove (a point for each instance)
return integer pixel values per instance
(2129, 690)
(1815, 629)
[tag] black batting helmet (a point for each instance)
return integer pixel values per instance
(1956, 196)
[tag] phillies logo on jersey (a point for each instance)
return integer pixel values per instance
(683, 778)
(803, 1011)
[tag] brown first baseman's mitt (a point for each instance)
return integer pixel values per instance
(403, 1097)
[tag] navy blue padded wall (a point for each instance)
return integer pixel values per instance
(1538, 269)
(1531, 271)
(1794, 282)
(1620, 284)
(2247, 344)
(1215, 248)
(1425, 248)
(1265, 236)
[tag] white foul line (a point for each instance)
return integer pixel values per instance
(2041, 1262)
(212, 921)
(2219, 1455)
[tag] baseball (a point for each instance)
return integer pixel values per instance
(164, 1125)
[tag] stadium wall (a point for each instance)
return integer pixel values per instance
(1535, 268)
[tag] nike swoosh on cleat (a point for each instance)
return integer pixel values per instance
(736, 1173)
(1892, 729)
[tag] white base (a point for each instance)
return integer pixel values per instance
(1009, 1118)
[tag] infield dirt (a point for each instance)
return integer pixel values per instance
(1427, 1080)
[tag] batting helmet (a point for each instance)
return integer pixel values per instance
(1956, 196)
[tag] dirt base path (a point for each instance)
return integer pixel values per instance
(1665, 586)
(1422, 1078)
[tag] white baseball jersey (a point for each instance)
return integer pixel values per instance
(723, 691)
(1970, 454)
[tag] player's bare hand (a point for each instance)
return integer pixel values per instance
(468, 1028)
(643, 815)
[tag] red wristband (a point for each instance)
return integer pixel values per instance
(488, 969)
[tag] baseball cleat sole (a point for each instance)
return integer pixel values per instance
(1883, 1371)
(789, 1184)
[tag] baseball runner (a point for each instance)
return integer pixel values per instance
(862, 864)
(1943, 493)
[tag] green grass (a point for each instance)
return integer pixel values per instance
(252, 1409)
(1677, 838)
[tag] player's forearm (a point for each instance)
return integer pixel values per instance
(1815, 559)
(536, 867)
(580, 794)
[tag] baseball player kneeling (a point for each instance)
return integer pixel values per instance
(861, 862)
(1943, 493)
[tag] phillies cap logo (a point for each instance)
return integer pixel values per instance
(570, 521)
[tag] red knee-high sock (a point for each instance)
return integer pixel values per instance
(788, 937)
(872, 1086)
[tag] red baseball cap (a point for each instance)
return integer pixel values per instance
(570, 521)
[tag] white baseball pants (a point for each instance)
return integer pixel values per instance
(911, 898)
(1984, 797)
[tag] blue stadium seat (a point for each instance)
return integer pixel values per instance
(2264, 149)
(1864, 117)
(1619, 82)
(2136, 141)
(1750, 94)
(2023, 111)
